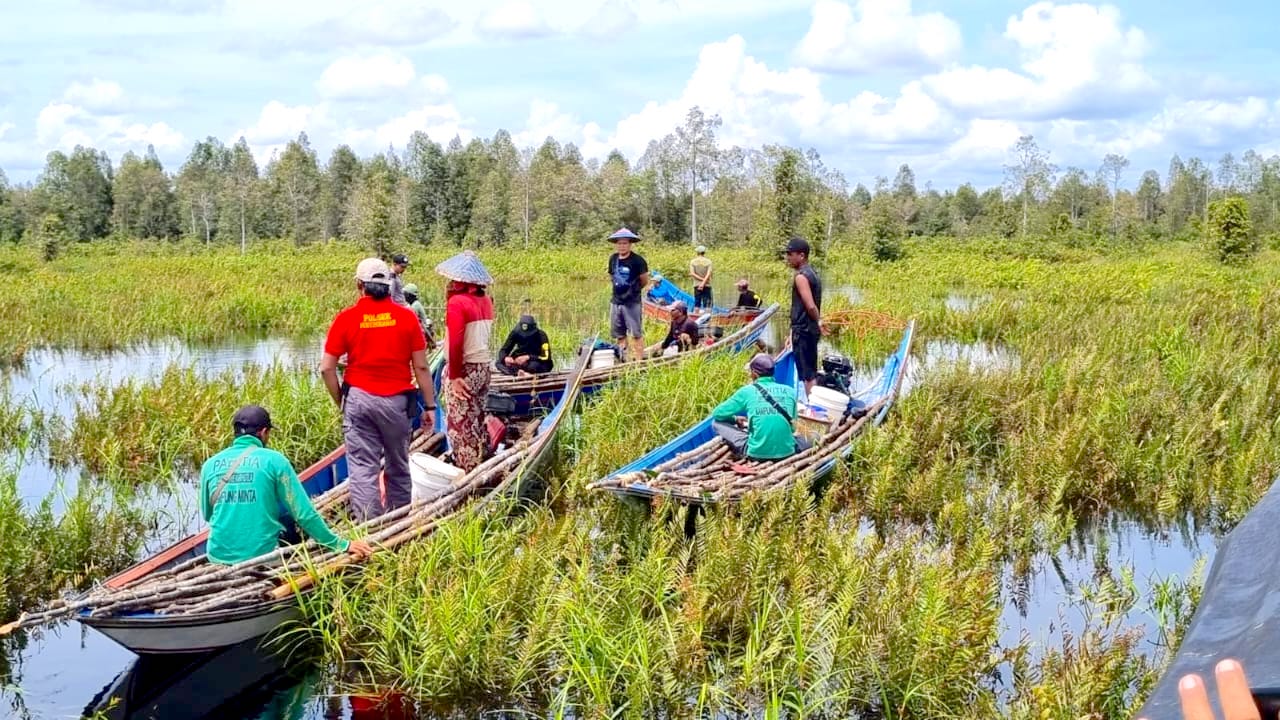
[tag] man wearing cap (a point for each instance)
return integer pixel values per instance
(630, 275)
(747, 298)
(242, 490)
(527, 350)
(806, 311)
(386, 353)
(399, 263)
(412, 296)
(700, 269)
(756, 420)
(684, 330)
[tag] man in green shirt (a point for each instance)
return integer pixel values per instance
(756, 420)
(244, 488)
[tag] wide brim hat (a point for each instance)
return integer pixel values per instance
(624, 234)
(465, 267)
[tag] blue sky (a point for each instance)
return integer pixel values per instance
(944, 86)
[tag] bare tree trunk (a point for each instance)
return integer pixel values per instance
(242, 229)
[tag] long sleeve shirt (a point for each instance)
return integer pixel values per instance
(469, 320)
(768, 432)
(245, 521)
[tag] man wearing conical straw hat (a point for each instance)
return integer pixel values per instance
(468, 319)
(630, 275)
(386, 352)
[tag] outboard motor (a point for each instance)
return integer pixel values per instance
(837, 373)
(498, 409)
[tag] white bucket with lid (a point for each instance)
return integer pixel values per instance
(603, 358)
(431, 476)
(833, 402)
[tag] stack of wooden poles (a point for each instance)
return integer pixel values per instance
(710, 473)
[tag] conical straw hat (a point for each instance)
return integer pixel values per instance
(465, 267)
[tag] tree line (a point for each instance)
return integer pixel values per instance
(684, 187)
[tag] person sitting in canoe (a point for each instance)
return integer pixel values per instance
(747, 298)
(756, 420)
(242, 490)
(526, 351)
(683, 333)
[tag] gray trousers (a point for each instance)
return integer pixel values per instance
(737, 438)
(376, 427)
(732, 434)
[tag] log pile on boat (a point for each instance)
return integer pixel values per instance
(195, 588)
(698, 467)
(543, 390)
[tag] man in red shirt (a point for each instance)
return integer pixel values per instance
(386, 352)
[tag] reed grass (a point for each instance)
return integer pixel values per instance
(157, 429)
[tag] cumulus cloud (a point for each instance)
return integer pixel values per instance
(513, 20)
(62, 125)
(365, 76)
(328, 24)
(95, 95)
(762, 105)
(874, 34)
(278, 123)
(439, 121)
(5, 127)
(610, 20)
(1077, 60)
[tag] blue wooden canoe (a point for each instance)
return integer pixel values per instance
(697, 468)
(147, 632)
(543, 391)
(662, 293)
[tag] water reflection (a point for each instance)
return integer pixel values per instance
(957, 302)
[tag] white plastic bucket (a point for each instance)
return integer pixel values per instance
(431, 476)
(832, 401)
(603, 358)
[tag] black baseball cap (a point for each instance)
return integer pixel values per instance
(251, 418)
(399, 259)
(797, 244)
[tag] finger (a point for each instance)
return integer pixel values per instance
(1194, 698)
(1233, 692)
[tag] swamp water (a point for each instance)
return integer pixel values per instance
(63, 671)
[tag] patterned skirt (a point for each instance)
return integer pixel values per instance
(465, 416)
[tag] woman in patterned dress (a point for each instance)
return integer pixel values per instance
(468, 319)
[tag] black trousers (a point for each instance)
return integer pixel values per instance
(534, 366)
(702, 298)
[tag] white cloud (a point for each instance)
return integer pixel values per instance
(1077, 60)
(515, 20)
(365, 76)
(440, 121)
(610, 20)
(874, 34)
(95, 95)
(326, 24)
(62, 126)
(5, 127)
(759, 105)
(278, 123)
(546, 119)
(434, 86)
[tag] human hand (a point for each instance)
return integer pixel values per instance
(823, 329)
(428, 421)
(459, 386)
(359, 548)
(508, 360)
(522, 360)
(1233, 694)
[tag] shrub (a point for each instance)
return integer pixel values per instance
(1230, 232)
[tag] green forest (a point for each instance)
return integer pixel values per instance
(685, 186)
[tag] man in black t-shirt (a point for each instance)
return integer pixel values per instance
(527, 350)
(747, 298)
(806, 312)
(629, 274)
(683, 331)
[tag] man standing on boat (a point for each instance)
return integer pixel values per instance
(806, 311)
(756, 420)
(700, 270)
(630, 275)
(386, 353)
(242, 490)
(399, 263)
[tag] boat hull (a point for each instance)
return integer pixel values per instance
(162, 634)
